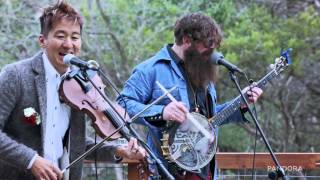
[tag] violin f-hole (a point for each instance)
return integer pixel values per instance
(86, 102)
(116, 121)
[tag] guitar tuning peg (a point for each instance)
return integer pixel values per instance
(277, 60)
(272, 66)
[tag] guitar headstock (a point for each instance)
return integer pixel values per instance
(283, 61)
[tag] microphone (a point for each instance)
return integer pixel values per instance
(218, 59)
(71, 59)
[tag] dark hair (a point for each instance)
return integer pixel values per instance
(55, 13)
(199, 27)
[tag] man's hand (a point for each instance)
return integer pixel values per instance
(42, 169)
(131, 150)
(175, 111)
(253, 94)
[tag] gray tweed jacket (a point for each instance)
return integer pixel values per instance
(22, 85)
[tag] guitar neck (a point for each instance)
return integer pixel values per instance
(238, 101)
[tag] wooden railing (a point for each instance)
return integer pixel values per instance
(264, 160)
(235, 160)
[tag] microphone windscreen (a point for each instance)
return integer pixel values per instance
(215, 57)
(67, 58)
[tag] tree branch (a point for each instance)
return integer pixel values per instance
(120, 49)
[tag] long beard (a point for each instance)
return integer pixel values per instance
(198, 67)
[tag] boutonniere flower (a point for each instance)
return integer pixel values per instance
(31, 116)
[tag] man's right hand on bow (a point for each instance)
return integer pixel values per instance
(42, 169)
(175, 111)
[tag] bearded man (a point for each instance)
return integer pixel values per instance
(186, 65)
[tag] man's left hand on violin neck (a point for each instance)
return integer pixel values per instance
(131, 150)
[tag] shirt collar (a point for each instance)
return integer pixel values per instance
(51, 72)
(174, 55)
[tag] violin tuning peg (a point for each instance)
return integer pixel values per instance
(272, 66)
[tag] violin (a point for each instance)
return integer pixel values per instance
(78, 91)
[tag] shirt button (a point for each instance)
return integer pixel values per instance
(55, 108)
(54, 125)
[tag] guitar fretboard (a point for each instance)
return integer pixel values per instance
(238, 101)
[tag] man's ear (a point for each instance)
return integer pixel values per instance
(186, 41)
(42, 41)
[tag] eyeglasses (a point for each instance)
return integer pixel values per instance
(207, 42)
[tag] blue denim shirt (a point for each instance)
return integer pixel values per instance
(141, 89)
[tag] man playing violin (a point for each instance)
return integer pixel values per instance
(33, 122)
(186, 65)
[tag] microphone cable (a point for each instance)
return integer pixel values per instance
(113, 86)
(115, 90)
(250, 83)
(95, 157)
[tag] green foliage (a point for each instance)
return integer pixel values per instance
(250, 37)
(233, 138)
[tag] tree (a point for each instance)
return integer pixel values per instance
(120, 34)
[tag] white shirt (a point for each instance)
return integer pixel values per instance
(58, 116)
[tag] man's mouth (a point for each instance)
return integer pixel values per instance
(63, 54)
(207, 53)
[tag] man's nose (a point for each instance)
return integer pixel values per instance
(67, 43)
(207, 52)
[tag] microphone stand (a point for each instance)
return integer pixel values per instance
(279, 170)
(125, 124)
